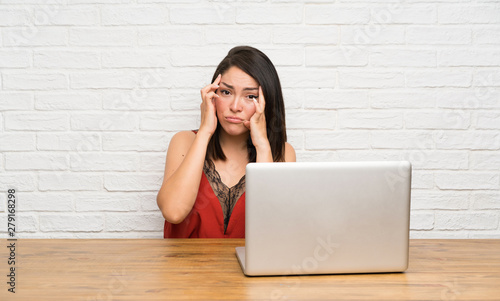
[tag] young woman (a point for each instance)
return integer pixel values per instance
(242, 121)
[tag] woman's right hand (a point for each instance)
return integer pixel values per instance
(207, 107)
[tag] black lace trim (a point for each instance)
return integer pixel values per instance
(228, 196)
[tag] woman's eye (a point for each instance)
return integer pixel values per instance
(224, 92)
(252, 97)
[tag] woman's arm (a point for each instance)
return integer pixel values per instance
(183, 170)
(184, 163)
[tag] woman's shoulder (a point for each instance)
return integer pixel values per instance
(289, 153)
(182, 139)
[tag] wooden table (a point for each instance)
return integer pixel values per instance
(202, 269)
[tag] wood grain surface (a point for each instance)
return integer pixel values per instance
(204, 269)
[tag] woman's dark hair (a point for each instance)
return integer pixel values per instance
(256, 64)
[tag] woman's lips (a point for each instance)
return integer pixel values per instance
(232, 119)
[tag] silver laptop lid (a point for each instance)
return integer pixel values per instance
(335, 217)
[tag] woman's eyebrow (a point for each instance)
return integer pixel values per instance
(245, 89)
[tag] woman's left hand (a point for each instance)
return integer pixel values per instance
(257, 123)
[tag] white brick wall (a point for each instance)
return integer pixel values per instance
(91, 92)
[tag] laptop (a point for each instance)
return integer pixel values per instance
(326, 218)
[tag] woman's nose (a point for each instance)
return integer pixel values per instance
(236, 105)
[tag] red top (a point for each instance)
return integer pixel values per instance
(206, 219)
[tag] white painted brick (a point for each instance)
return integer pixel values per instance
(335, 99)
(438, 35)
(134, 222)
(488, 160)
(460, 14)
(69, 142)
(104, 79)
(437, 234)
(370, 79)
(26, 223)
(209, 56)
(293, 98)
(14, 16)
(136, 142)
(170, 122)
(34, 36)
(15, 59)
(237, 35)
(407, 14)
(50, 202)
(329, 56)
(295, 138)
(95, 36)
(171, 36)
(269, 14)
(323, 140)
(49, 59)
(467, 180)
(446, 200)
(58, 15)
(422, 179)
(17, 142)
(133, 181)
(107, 201)
(152, 162)
(104, 162)
(292, 77)
(57, 181)
(34, 81)
(485, 200)
(16, 101)
(438, 78)
(125, 121)
(453, 220)
(216, 14)
(402, 139)
(333, 14)
(3, 202)
(403, 99)
(487, 78)
(402, 58)
(182, 77)
(368, 155)
(69, 223)
(486, 35)
(372, 34)
(484, 234)
(477, 98)
(372, 119)
(148, 201)
(36, 161)
(99, 1)
(488, 120)
(135, 59)
(450, 160)
(67, 101)
(285, 56)
(316, 156)
(310, 119)
(473, 58)
(19, 181)
(473, 140)
(185, 100)
(38, 121)
(143, 99)
(133, 15)
(306, 35)
(421, 221)
(443, 119)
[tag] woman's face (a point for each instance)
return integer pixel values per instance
(235, 105)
